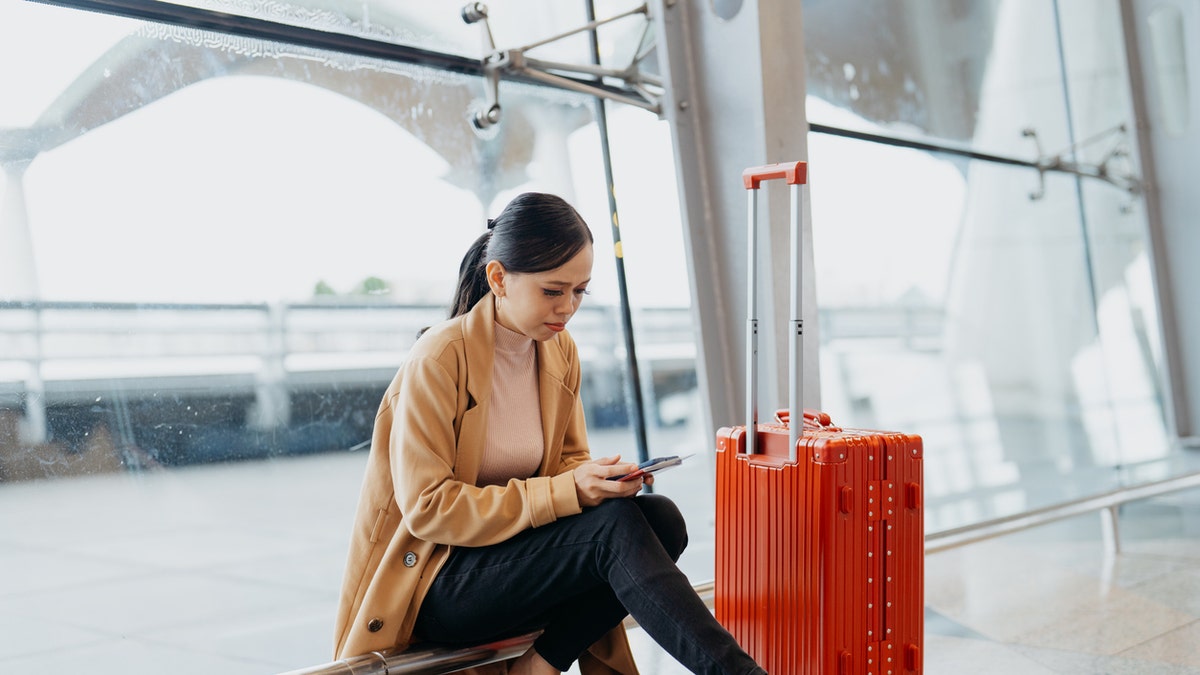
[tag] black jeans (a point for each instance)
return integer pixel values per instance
(577, 578)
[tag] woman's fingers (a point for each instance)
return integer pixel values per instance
(592, 484)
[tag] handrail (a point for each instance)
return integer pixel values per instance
(442, 660)
(1104, 503)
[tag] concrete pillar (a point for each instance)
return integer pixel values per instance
(271, 410)
(19, 281)
(18, 271)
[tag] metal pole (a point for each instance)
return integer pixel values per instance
(265, 29)
(1110, 528)
(752, 322)
(633, 392)
(796, 326)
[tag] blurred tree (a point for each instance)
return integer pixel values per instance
(373, 286)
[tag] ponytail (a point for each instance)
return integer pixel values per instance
(536, 232)
(472, 277)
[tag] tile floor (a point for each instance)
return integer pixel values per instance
(235, 568)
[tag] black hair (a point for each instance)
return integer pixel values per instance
(536, 232)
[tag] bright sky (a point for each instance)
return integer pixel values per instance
(164, 204)
(23, 30)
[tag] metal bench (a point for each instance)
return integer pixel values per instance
(425, 660)
(439, 660)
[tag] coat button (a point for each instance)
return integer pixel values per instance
(410, 559)
(375, 625)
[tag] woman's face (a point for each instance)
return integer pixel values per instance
(539, 304)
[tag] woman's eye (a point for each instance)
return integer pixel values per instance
(554, 293)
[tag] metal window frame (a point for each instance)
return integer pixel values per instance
(300, 36)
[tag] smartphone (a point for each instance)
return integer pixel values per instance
(651, 466)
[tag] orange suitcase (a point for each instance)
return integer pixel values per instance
(819, 529)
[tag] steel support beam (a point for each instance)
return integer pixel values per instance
(1168, 165)
(734, 98)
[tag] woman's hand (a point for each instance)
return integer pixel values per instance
(592, 484)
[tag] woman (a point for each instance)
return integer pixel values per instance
(482, 514)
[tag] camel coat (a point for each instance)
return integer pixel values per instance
(419, 497)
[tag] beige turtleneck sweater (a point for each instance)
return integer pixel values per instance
(514, 427)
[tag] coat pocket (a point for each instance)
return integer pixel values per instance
(379, 520)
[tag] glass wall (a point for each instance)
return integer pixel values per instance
(215, 251)
(214, 254)
(942, 71)
(656, 269)
(1005, 313)
(441, 27)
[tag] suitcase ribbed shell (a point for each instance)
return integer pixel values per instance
(820, 562)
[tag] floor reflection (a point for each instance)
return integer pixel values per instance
(234, 568)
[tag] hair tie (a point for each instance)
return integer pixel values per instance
(491, 223)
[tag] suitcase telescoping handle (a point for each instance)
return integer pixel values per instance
(796, 175)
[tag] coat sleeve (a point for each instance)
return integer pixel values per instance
(437, 506)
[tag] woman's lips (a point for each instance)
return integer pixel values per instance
(556, 327)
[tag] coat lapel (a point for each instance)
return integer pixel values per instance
(556, 401)
(479, 345)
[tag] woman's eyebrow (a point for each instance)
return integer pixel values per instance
(568, 283)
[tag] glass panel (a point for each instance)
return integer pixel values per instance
(1167, 45)
(967, 321)
(184, 187)
(970, 72)
(656, 269)
(1028, 330)
(440, 26)
(1123, 369)
(1125, 365)
(229, 247)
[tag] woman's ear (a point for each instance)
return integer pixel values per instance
(495, 277)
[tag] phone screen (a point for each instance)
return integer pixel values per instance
(651, 466)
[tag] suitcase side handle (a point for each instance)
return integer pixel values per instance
(812, 418)
(796, 175)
